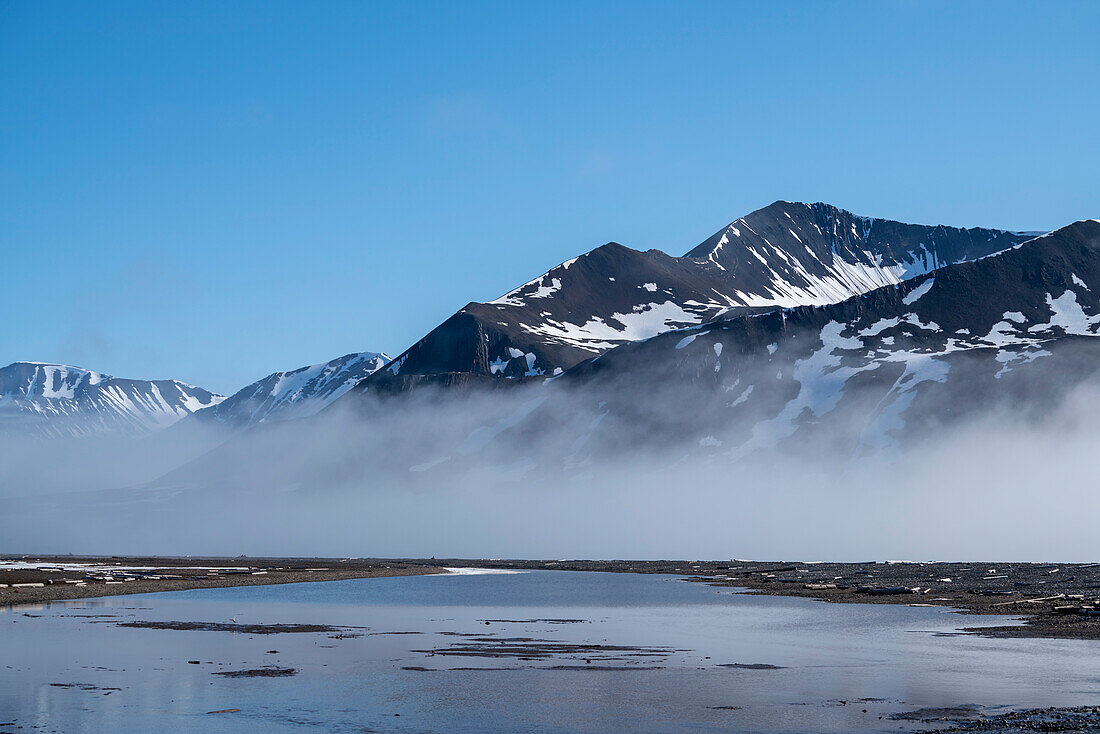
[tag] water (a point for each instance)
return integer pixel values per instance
(58, 667)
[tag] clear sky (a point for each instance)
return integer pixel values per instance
(212, 191)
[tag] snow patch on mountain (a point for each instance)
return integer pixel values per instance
(596, 334)
(917, 292)
(1068, 315)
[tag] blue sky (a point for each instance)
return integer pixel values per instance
(213, 191)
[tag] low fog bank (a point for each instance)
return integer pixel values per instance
(650, 513)
(491, 476)
(32, 464)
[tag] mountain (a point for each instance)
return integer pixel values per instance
(1005, 337)
(59, 400)
(293, 394)
(787, 254)
(1014, 332)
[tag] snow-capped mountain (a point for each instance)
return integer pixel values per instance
(61, 400)
(1015, 331)
(787, 254)
(296, 393)
(794, 323)
(890, 367)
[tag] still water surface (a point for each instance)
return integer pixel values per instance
(562, 651)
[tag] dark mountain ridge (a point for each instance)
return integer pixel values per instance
(787, 254)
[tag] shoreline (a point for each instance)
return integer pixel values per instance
(1054, 600)
(86, 577)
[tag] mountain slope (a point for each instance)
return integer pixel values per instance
(295, 393)
(60, 400)
(579, 308)
(786, 254)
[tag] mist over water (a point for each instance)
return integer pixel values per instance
(505, 474)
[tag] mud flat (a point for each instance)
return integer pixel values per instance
(37, 579)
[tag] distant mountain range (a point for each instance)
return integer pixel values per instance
(769, 331)
(56, 399)
(66, 401)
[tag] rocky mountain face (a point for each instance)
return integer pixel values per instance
(60, 400)
(787, 254)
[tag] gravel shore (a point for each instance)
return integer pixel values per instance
(54, 578)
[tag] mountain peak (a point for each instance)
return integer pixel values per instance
(793, 254)
(295, 393)
(45, 380)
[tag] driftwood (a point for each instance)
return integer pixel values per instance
(1030, 601)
